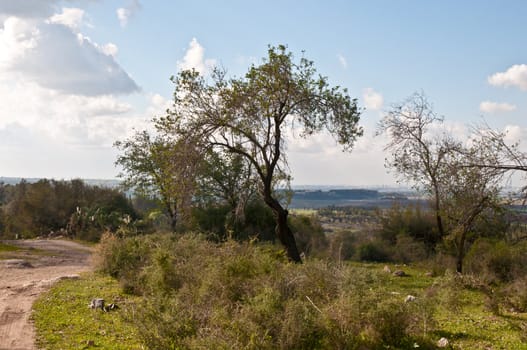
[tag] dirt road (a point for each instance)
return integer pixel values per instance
(24, 275)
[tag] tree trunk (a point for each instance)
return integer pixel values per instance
(285, 235)
(459, 264)
(172, 213)
(439, 219)
(460, 252)
(283, 232)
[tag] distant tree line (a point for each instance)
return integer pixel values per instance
(68, 208)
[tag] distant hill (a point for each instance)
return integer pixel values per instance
(343, 197)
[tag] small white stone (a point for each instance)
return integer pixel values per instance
(409, 298)
(443, 342)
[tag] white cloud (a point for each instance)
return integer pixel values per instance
(320, 151)
(110, 49)
(342, 60)
(514, 133)
(495, 107)
(372, 99)
(125, 13)
(57, 58)
(70, 17)
(16, 38)
(516, 75)
(195, 59)
(68, 120)
(27, 8)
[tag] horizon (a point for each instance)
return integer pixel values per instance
(78, 75)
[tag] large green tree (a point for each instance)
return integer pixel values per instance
(250, 116)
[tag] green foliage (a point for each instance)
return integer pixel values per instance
(123, 259)
(375, 251)
(217, 222)
(63, 320)
(65, 207)
(199, 294)
(309, 234)
(497, 262)
(341, 245)
(414, 222)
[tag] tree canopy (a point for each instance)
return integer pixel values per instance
(249, 116)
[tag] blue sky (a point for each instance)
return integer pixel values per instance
(77, 75)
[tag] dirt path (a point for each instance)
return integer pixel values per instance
(24, 275)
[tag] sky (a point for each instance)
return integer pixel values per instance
(78, 75)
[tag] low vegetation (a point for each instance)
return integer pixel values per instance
(199, 294)
(64, 321)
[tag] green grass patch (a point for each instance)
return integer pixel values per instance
(64, 321)
(7, 248)
(8, 251)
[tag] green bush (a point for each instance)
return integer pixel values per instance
(373, 251)
(309, 234)
(341, 245)
(497, 262)
(122, 258)
(199, 294)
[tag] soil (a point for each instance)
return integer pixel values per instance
(24, 275)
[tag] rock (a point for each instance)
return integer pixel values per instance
(387, 269)
(399, 273)
(409, 298)
(97, 303)
(443, 343)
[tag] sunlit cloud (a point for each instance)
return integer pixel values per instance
(195, 59)
(495, 107)
(516, 76)
(372, 99)
(125, 13)
(70, 17)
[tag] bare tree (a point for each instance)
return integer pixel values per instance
(437, 164)
(416, 155)
(466, 194)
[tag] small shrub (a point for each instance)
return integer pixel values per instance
(373, 251)
(496, 262)
(122, 259)
(408, 250)
(515, 294)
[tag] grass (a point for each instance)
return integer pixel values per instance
(475, 327)
(7, 248)
(64, 321)
(7, 251)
